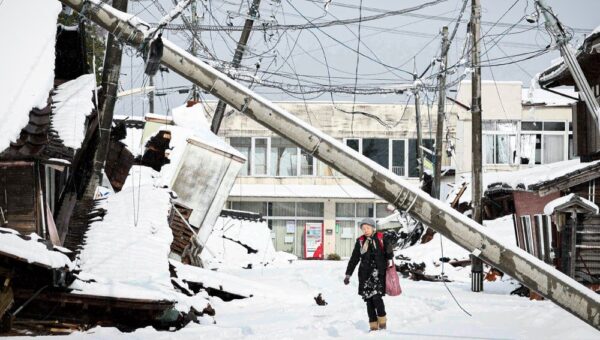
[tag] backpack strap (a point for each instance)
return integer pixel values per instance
(380, 238)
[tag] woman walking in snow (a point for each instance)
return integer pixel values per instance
(374, 258)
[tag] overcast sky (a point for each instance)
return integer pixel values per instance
(392, 48)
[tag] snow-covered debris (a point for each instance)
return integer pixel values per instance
(213, 279)
(190, 116)
(73, 102)
(239, 243)
(130, 246)
(27, 67)
(430, 253)
(522, 178)
(31, 250)
(561, 201)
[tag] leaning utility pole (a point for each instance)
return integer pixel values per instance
(237, 59)
(476, 182)
(515, 262)
(562, 40)
(439, 133)
(419, 133)
(110, 79)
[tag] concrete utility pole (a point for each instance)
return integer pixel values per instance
(532, 272)
(110, 80)
(476, 182)
(237, 59)
(419, 132)
(562, 40)
(439, 133)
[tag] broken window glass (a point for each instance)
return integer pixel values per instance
(284, 157)
(243, 144)
(377, 149)
(260, 156)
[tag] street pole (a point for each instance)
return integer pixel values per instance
(419, 132)
(110, 80)
(515, 262)
(439, 133)
(476, 183)
(237, 59)
(193, 47)
(562, 40)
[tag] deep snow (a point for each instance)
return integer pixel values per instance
(425, 310)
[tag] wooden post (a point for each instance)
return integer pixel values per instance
(476, 185)
(237, 59)
(439, 135)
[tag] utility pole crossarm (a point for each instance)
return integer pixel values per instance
(532, 272)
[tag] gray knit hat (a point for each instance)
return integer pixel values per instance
(368, 221)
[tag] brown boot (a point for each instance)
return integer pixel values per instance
(373, 326)
(382, 320)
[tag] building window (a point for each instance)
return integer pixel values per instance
(413, 162)
(243, 145)
(499, 142)
(259, 156)
(543, 142)
(284, 157)
(377, 150)
(399, 157)
(307, 164)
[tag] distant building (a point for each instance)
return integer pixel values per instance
(290, 188)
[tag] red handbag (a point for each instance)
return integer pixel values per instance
(392, 282)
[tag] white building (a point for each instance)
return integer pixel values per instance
(291, 188)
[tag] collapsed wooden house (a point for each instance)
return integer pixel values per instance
(555, 215)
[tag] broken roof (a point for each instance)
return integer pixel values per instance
(569, 201)
(558, 74)
(28, 70)
(32, 249)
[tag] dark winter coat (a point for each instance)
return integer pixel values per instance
(382, 255)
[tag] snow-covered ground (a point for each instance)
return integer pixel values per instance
(425, 310)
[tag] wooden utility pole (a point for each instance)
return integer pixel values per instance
(151, 95)
(465, 232)
(110, 80)
(419, 132)
(237, 59)
(193, 47)
(439, 133)
(476, 184)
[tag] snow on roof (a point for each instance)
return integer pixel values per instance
(73, 102)
(122, 258)
(131, 245)
(526, 177)
(133, 141)
(31, 250)
(191, 116)
(538, 96)
(27, 66)
(570, 198)
(351, 191)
